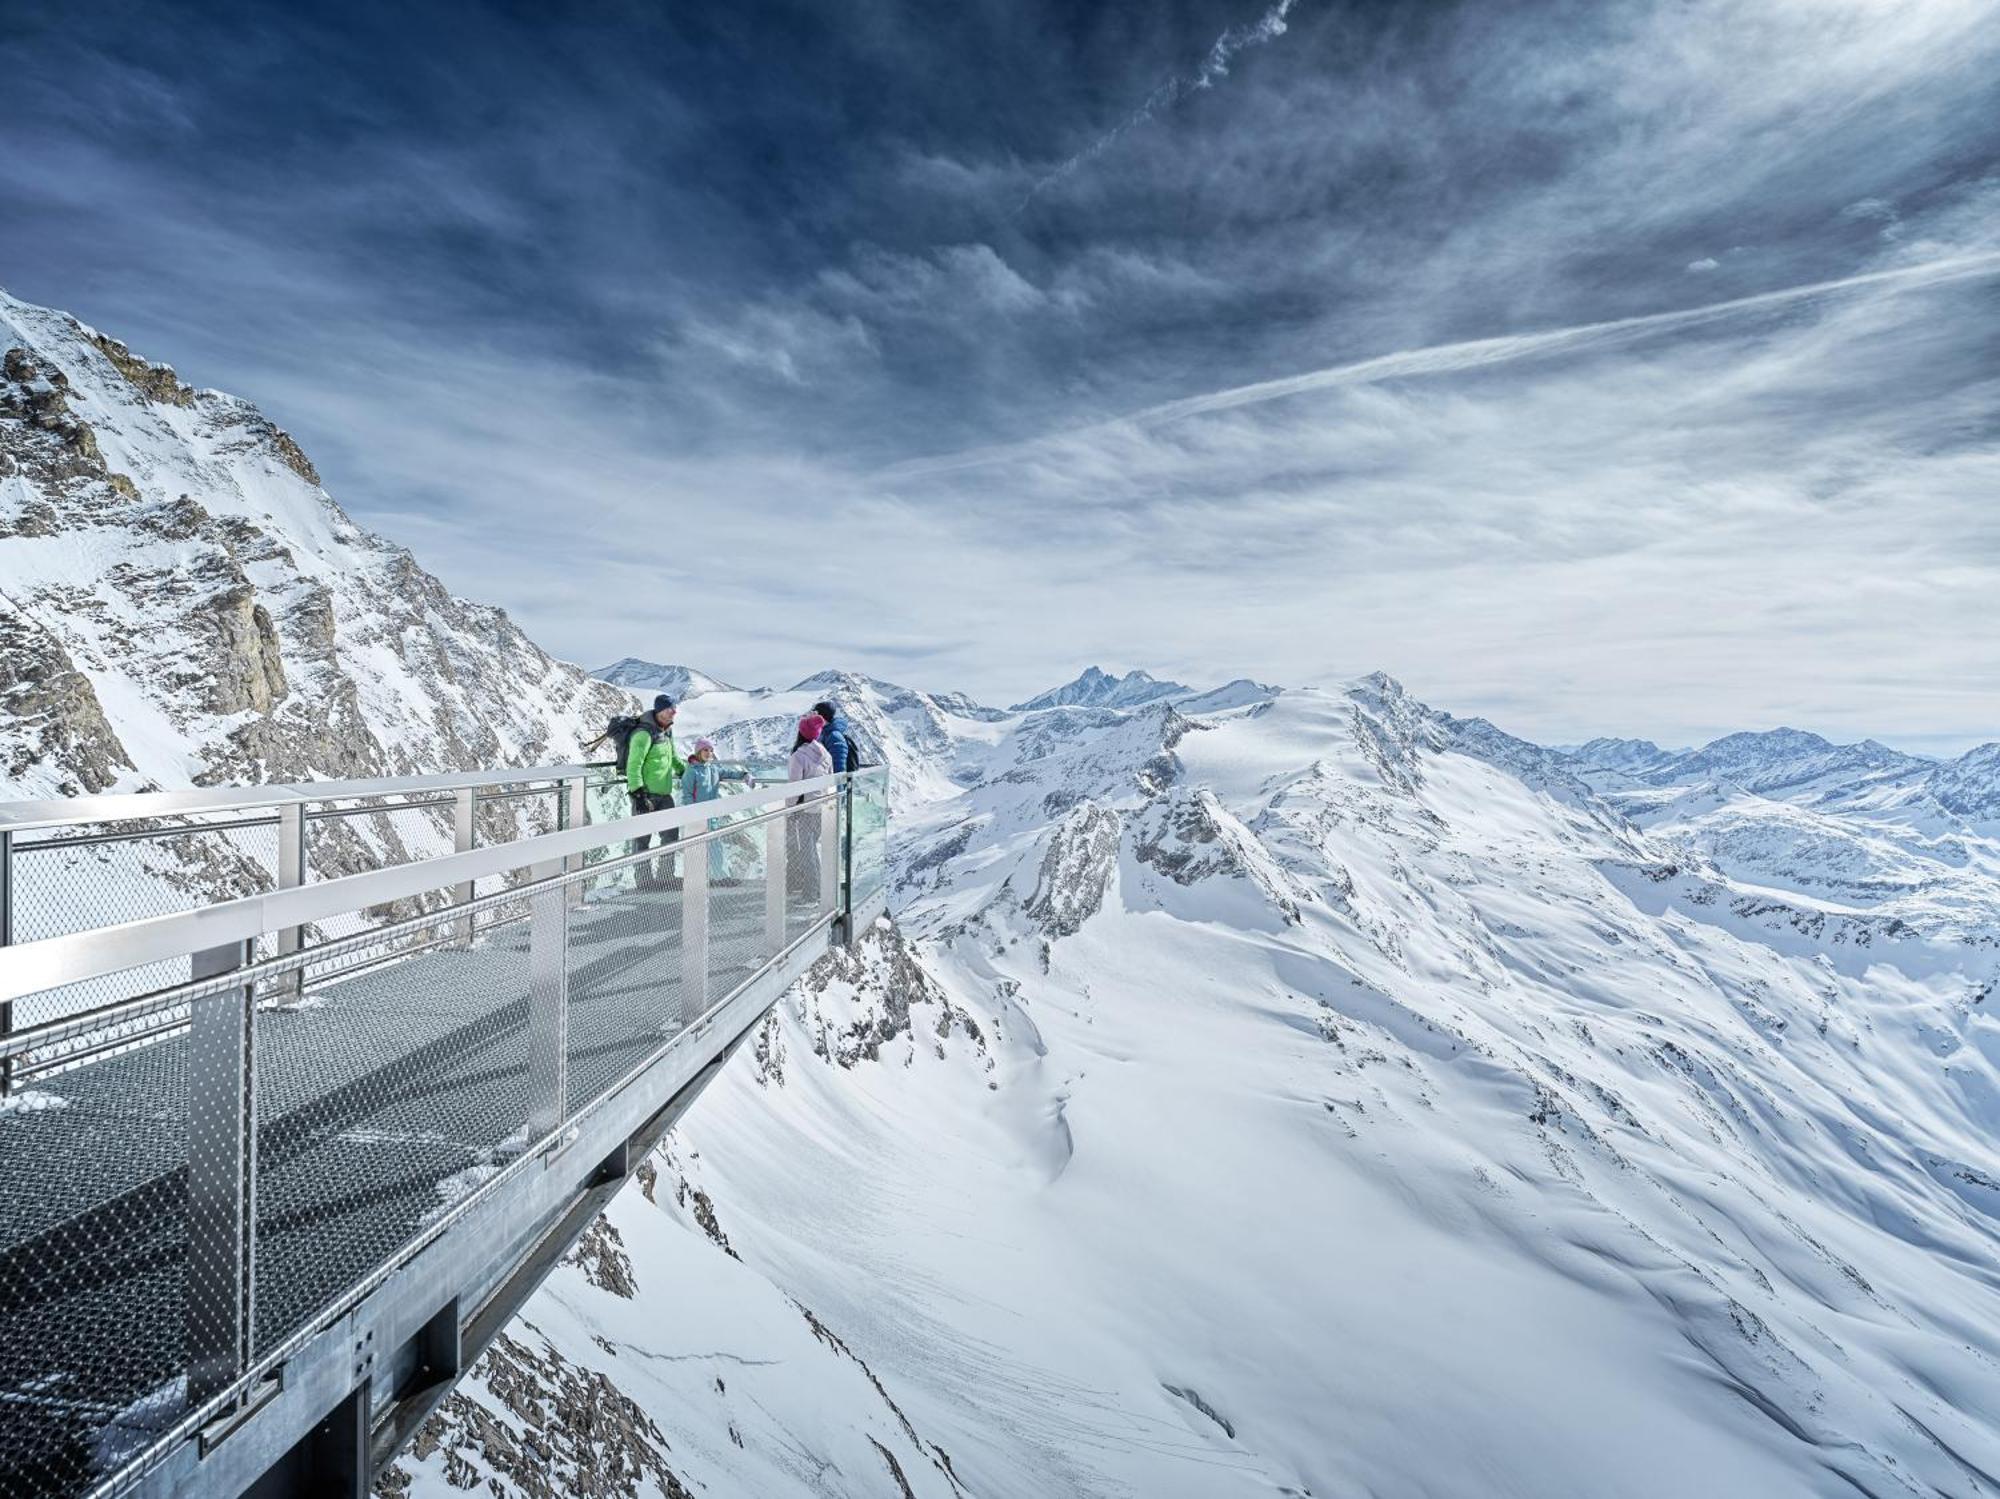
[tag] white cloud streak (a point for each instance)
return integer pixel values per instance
(1215, 66)
(1473, 354)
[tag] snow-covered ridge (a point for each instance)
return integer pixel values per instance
(1099, 689)
(1856, 832)
(679, 682)
(182, 603)
(1794, 764)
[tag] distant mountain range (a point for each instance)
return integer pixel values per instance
(1793, 764)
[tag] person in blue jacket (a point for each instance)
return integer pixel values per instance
(702, 782)
(838, 737)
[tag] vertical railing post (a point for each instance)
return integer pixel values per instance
(573, 811)
(774, 883)
(847, 799)
(291, 873)
(221, 1277)
(694, 936)
(548, 1004)
(464, 834)
(6, 940)
(829, 853)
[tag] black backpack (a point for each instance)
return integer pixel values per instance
(618, 734)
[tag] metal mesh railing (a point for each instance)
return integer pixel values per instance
(192, 1179)
(77, 879)
(82, 877)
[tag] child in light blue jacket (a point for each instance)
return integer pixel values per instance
(702, 782)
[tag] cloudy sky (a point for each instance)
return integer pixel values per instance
(1608, 366)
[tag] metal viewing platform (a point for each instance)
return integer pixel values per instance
(281, 1154)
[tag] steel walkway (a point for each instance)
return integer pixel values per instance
(254, 1222)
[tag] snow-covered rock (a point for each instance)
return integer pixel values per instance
(1241, 693)
(182, 603)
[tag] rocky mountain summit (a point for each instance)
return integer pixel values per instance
(1096, 688)
(679, 682)
(183, 603)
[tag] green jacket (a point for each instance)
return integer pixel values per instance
(652, 762)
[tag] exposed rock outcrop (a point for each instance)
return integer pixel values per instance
(201, 571)
(548, 1429)
(56, 723)
(1082, 856)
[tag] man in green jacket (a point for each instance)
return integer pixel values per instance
(652, 766)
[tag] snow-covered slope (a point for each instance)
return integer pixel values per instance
(1331, 1096)
(681, 682)
(181, 602)
(1099, 689)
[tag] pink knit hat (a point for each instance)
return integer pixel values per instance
(810, 725)
(703, 744)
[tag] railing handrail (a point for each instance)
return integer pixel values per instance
(32, 967)
(135, 806)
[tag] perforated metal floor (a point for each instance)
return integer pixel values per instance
(382, 1099)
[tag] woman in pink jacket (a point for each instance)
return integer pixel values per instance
(809, 759)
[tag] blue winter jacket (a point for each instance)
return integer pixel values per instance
(839, 741)
(701, 781)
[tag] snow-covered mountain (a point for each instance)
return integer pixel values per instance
(1099, 689)
(1970, 785)
(1865, 830)
(1788, 760)
(1788, 763)
(1323, 1095)
(1257, 1093)
(681, 682)
(182, 603)
(1633, 757)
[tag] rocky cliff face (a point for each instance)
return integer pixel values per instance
(172, 566)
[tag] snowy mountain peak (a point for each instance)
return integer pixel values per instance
(175, 569)
(682, 682)
(1633, 756)
(1763, 744)
(1096, 688)
(1969, 785)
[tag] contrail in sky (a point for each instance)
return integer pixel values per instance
(1442, 359)
(1268, 27)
